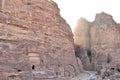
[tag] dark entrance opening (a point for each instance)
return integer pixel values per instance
(89, 53)
(33, 67)
(112, 68)
(19, 70)
(118, 69)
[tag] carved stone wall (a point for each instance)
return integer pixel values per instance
(36, 43)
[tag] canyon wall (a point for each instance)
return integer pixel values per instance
(98, 42)
(36, 43)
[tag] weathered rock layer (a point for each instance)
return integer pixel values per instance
(35, 42)
(100, 42)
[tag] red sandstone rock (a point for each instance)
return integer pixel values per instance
(35, 42)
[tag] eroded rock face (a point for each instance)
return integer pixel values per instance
(35, 42)
(101, 41)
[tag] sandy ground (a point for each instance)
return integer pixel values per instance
(86, 75)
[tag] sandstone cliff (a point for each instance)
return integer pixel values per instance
(35, 42)
(98, 42)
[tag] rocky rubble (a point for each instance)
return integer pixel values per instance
(36, 43)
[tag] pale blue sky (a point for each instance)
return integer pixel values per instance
(72, 10)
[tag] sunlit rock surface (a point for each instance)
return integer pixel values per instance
(100, 41)
(36, 43)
